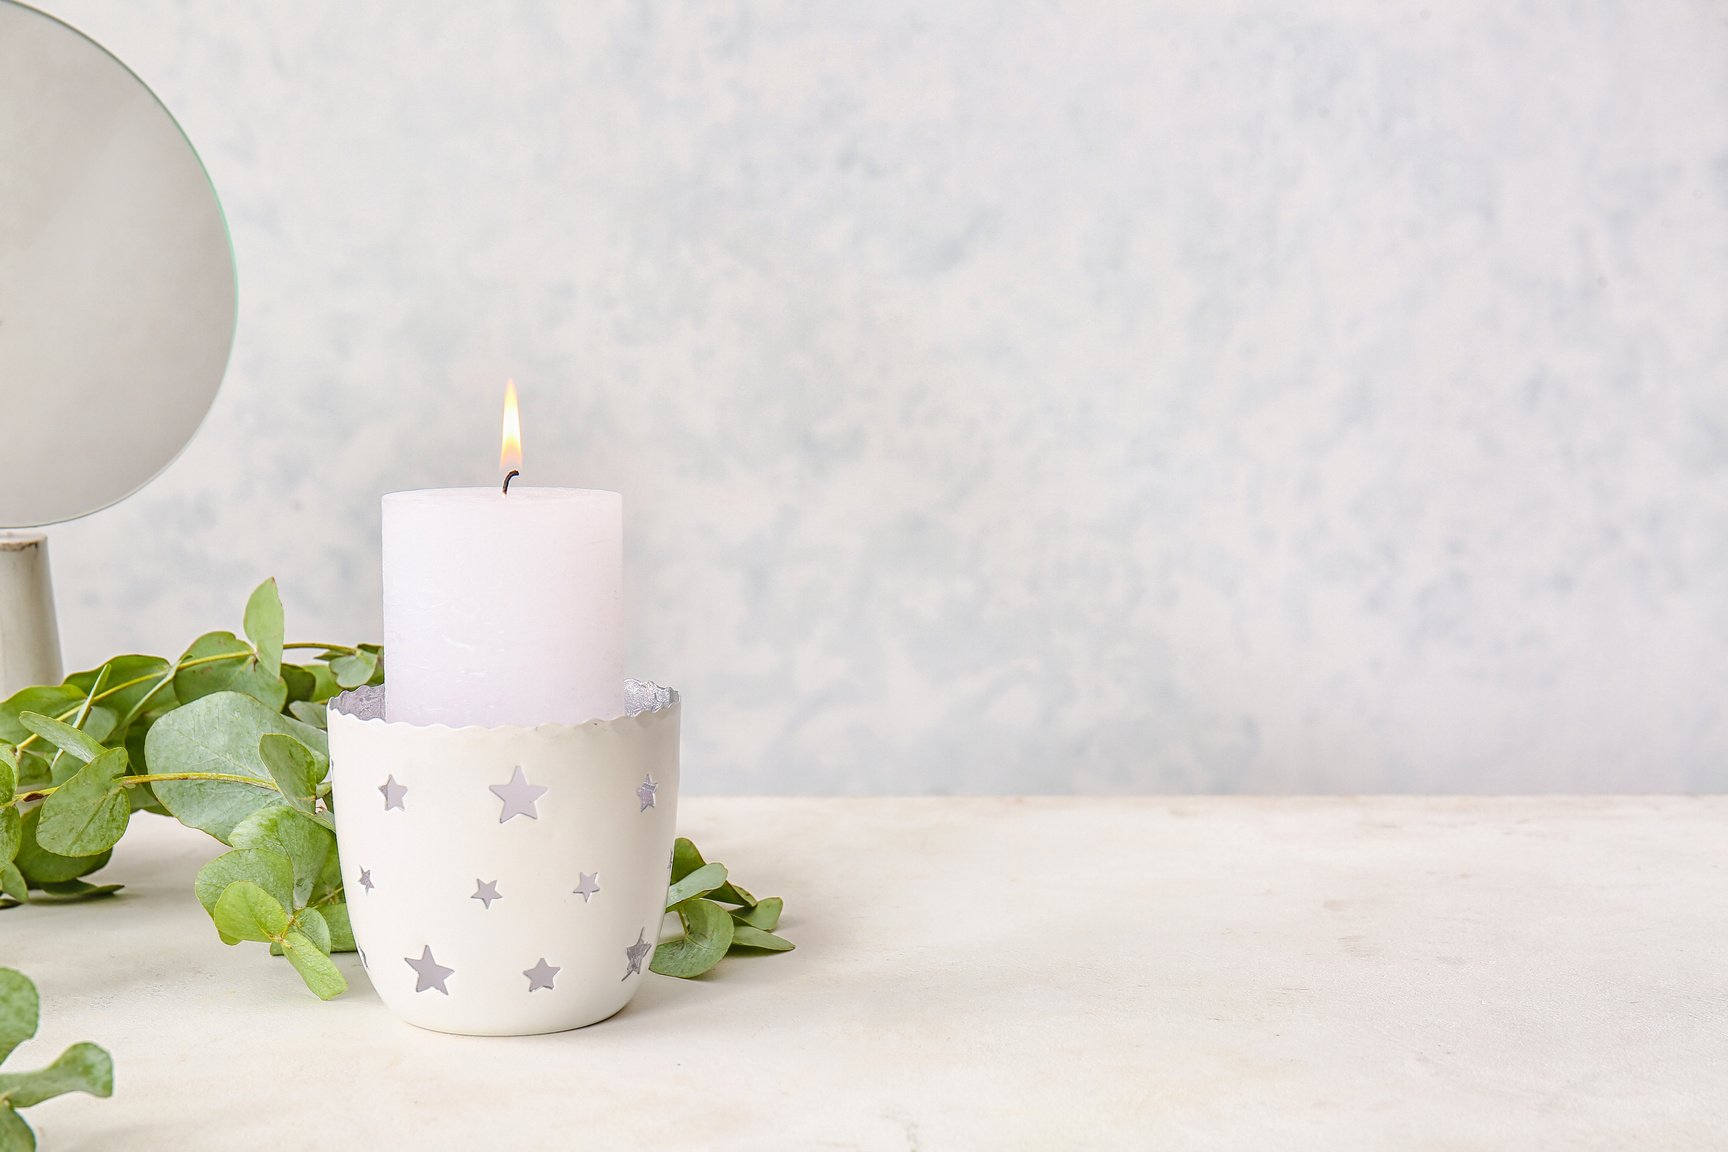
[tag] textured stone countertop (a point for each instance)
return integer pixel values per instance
(1522, 973)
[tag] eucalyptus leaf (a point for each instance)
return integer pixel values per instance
(262, 685)
(210, 665)
(15, 1134)
(63, 736)
(730, 893)
(300, 681)
(309, 922)
(88, 813)
(133, 680)
(324, 683)
(315, 967)
(245, 911)
(707, 934)
(353, 671)
(11, 834)
(8, 771)
(48, 699)
(308, 845)
(32, 770)
(219, 734)
(765, 915)
(341, 931)
(307, 712)
(81, 1068)
(264, 867)
(296, 771)
(40, 866)
(686, 858)
(700, 882)
(263, 625)
(744, 936)
(74, 891)
(20, 1010)
(12, 885)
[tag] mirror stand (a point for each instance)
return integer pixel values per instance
(29, 629)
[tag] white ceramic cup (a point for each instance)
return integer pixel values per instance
(506, 881)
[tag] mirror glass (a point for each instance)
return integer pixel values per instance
(117, 290)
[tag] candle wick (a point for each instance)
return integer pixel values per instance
(507, 479)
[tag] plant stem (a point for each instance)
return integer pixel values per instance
(148, 778)
(135, 681)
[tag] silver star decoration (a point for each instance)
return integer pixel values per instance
(518, 797)
(645, 793)
(635, 953)
(540, 976)
(393, 793)
(486, 891)
(589, 885)
(430, 973)
(366, 879)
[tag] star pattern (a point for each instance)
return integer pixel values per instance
(518, 796)
(540, 976)
(635, 953)
(428, 972)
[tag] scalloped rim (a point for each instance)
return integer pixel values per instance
(341, 705)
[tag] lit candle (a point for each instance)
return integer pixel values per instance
(503, 605)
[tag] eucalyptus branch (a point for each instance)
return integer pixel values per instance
(146, 778)
(232, 702)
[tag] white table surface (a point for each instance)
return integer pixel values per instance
(995, 973)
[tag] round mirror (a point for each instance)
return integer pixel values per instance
(117, 285)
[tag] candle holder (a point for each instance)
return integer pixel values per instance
(506, 881)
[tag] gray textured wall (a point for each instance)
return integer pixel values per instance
(1006, 396)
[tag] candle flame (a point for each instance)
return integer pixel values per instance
(510, 455)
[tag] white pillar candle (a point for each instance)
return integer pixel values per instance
(503, 608)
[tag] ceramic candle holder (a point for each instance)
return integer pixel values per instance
(506, 881)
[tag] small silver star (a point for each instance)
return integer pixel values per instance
(540, 976)
(430, 973)
(393, 793)
(636, 952)
(486, 891)
(518, 796)
(589, 884)
(366, 879)
(645, 793)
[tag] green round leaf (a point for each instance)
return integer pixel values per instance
(744, 936)
(39, 865)
(296, 771)
(263, 624)
(81, 1068)
(707, 934)
(20, 1010)
(268, 869)
(88, 813)
(206, 676)
(316, 968)
(245, 911)
(353, 671)
(700, 882)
